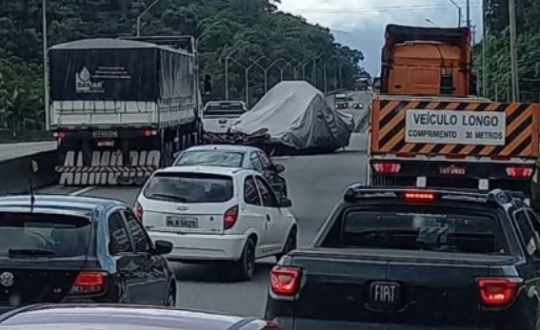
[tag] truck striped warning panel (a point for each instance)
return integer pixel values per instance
(468, 127)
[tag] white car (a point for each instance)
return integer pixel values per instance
(219, 116)
(217, 214)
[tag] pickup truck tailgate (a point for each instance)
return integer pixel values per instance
(392, 287)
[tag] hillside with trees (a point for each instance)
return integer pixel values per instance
(255, 29)
(498, 49)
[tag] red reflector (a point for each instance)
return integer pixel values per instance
(418, 197)
(387, 168)
(138, 210)
(519, 172)
(89, 282)
(285, 281)
(495, 291)
(230, 217)
(59, 135)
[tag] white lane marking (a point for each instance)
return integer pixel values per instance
(82, 191)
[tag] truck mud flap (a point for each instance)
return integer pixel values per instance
(107, 168)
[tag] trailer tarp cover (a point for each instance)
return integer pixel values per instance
(296, 115)
(104, 69)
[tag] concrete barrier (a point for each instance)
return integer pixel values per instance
(15, 173)
(13, 136)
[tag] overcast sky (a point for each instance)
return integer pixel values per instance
(360, 23)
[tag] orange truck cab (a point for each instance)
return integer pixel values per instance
(427, 129)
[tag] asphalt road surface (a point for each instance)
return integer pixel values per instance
(316, 184)
(16, 150)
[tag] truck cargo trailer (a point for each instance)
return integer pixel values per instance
(120, 109)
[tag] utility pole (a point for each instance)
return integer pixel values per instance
(45, 65)
(484, 51)
(513, 52)
(469, 13)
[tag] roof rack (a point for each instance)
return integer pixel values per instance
(358, 192)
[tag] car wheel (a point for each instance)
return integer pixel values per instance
(245, 267)
(171, 298)
(290, 245)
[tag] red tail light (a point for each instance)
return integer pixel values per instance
(230, 217)
(285, 281)
(149, 132)
(89, 282)
(387, 168)
(60, 135)
(519, 172)
(498, 291)
(139, 211)
(418, 197)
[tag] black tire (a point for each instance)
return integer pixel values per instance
(290, 244)
(244, 268)
(171, 297)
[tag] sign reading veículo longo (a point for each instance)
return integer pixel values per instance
(455, 127)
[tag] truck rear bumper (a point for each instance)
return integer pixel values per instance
(451, 174)
(312, 324)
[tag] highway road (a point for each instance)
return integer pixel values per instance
(315, 183)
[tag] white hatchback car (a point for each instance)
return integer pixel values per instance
(217, 214)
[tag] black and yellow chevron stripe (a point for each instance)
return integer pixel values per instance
(388, 128)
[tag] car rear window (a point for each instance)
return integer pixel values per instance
(47, 235)
(190, 188)
(440, 230)
(225, 108)
(211, 158)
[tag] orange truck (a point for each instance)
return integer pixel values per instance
(427, 129)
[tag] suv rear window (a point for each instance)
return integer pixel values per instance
(210, 158)
(49, 235)
(190, 188)
(439, 230)
(224, 108)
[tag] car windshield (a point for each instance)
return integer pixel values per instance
(210, 158)
(190, 188)
(224, 108)
(441, 230)
(43, 235)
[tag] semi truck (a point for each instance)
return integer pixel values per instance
(427, 127)
(121, 108)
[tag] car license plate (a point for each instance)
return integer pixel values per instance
(452, 170)
(384, 295)
(181, 222)
(105, 134)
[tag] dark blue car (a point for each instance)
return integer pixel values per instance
(79, 249)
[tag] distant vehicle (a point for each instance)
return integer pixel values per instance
(123, 317)
(218, 116)
(395, 258)
(78, 249)
(341, 101)
(235, 156)
(214, 214)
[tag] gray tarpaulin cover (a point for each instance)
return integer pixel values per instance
(296, 115)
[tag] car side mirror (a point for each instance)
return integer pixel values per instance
(162, 247)
(279, 168)
(285, 202)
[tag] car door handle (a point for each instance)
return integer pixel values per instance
(268, 217)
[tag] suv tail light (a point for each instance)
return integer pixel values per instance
(498, 291)
(139, 211)
(387, 168)
(519, 172)
(418, 197)
(89, 282)
(285, 281)
(230, 217)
